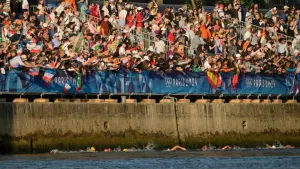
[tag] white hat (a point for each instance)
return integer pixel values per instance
(146, 58)
(238, 55)
(125, 31)
(274, 9)
(24, 57)
(45, 25)
(139, 8)
(163, 29)
(286, 7)
(296, 52)
(111, 0)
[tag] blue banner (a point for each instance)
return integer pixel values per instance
(149, 82)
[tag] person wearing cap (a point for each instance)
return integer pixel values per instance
(269, 14)
(285, 13)
(139, 19)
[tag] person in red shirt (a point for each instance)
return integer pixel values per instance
(139, 19)
(130, 19)
(104, 28)
(171, 37)
(94, 11)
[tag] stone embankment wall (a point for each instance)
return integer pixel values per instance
(40, 127)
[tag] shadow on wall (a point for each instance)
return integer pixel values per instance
(6, 127)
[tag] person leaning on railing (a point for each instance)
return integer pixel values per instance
(124, 48)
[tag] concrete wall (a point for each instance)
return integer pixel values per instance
(26, 118)
(241, 118)
(40, 127)
(246, 125)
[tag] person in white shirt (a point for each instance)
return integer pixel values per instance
(60, 8)
(159, 46)
(105, 9)
(190, 33)
(207, 62)
(122, 50)
(248, 33)
(52, 15)
(69, 16)
(122, 17)
(113, 21)
(25, 4)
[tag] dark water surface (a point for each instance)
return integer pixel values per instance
(267, 159)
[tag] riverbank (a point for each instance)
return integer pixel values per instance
(32, 127)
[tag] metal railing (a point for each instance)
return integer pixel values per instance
(148, 38)
(242, 28)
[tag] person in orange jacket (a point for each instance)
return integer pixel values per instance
(72, 4)
(205, 33)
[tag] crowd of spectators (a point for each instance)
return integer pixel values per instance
(119, 35)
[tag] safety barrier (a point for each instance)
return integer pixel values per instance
(148, 39)
(241, 28)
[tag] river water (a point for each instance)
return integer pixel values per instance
(248, 159)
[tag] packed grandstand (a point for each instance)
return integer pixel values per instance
(79, 37)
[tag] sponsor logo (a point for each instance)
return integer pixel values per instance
(260, 83)
(181, 82)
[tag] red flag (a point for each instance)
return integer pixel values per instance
(214, 79)
(235, 81)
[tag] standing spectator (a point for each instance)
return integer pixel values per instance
(112, 7)
(72, 4)
(282, 47)
(159, 45)
(139, 19)
(105, 9)
(171, 36)
(122, 17)
(130, 21)
(104, 27)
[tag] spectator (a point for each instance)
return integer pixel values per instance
(122, 36)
